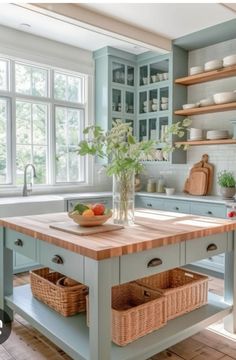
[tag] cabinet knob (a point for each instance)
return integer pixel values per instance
(57, 259)
(176, 208)
(154, 262)
(211, 247)
(149, 205)
(209, 212)
(18, 242)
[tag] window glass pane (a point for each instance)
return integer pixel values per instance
(31, 80)
(68, 87)
(3, 141)
(69, 129)
(3, 74)
(31, 140)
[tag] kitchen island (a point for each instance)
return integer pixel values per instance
(106, 259)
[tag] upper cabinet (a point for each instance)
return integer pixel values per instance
(138, 90)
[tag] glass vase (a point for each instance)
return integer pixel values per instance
(123, 198)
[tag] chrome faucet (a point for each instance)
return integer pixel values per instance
(26, 191)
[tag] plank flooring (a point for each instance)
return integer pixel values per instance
(213, 343)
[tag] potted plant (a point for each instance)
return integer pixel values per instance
(227, 183)
(124, 156)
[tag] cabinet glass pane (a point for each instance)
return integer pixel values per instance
(116, 100)
(159, 71)
(4, 74)
(118, 73)
(143, 103)
(143, 75)
(129, 102)
(163, 124)
(152, 129)
(142, 130)
(153, 100)
(130, 75)
(164, 99)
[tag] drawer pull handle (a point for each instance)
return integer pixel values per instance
(154, 262)
(209, 212)
(176, 208)
(57, 259)
(18, 242)
(149, 205)
(211, 247)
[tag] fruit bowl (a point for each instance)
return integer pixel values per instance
(89, 221)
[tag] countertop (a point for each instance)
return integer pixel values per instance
(152, 229)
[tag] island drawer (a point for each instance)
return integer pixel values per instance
(61, 260)
(149, 262)
(150, 203)
(177, 206)
(22, 244)
(212, 210)
(206, 247)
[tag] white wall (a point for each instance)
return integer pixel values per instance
(222, 156)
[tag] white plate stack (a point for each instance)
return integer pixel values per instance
(217, 134)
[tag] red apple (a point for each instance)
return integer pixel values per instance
(231, 214)
(98, 209)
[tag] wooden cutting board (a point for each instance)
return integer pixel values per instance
(72, 228)
(198, 183)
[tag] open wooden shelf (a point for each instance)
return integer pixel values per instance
(207, 76)
(207, 142)
(207, 109)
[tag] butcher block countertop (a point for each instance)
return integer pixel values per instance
(152, 229)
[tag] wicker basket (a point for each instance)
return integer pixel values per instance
(65, 300)
(185, 291)
(136, 311)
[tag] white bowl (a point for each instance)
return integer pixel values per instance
(164, 100)
(145, 80)
(154, 107)
(154, 78)
(169, 191)
(207, 102)
(229, 60)
(164, 106)
(196, 70)
(155, 101)
(224, 97)
(213, 65)
(160, 76)
(189, 106)
(166, 76)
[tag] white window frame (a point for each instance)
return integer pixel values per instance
(52, 103)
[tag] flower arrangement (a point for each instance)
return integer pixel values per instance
(124, 154)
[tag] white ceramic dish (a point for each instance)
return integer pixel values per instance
(189, 106)
(207, 102)
(145, 80)
(217, 134)
(154, 107)
(164, 100)
(154, 78)
(155, 101)
(213, 65)
(164, 106)
(166, 76)
(229, 60)
(170, 191)
(196, 70)
(224, 97)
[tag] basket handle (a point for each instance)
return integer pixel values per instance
(154, 262)
(57, 259)
(211, 247)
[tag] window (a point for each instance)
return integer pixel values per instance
(48, 122)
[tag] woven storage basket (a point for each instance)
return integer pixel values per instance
(136, 311)
(185, 290)
(65, 300)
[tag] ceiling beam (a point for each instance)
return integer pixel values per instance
(90, 20)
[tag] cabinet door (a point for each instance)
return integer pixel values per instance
(208, 209)
(177, 206)
(149, 202)
(118, 72)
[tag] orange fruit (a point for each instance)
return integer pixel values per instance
(88, 213)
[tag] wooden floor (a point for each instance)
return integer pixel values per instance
(213, 343)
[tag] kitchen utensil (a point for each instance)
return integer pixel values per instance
(194, 70)
(229, 60)
(224, 97)
(198, 183)
(89, 221)
(213, 65)
(72, 228)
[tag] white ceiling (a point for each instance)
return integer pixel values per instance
(169, 19)
(172, 20)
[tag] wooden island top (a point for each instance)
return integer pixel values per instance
(152, 229)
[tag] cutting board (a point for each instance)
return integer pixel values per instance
(72, 228)
(198, 183)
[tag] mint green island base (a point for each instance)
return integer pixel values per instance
(94, 343)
